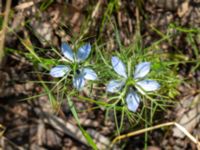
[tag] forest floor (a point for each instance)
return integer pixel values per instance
(34, 124)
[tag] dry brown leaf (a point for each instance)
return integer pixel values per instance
(183, 9)
(188, 119)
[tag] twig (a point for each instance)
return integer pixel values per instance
(181, 128)
(4, 29)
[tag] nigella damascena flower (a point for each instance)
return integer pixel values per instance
(80, 74)
(141, 84)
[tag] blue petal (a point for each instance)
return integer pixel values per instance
(132, 100)
(119, 66)
(147, 86)
(89, 74)
(59, 71)
(83, 52)
(78, 82)
(142, 70)
(67, 51)
(115, 86)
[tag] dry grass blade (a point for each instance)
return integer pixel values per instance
(4, 29)
(2, 130)
(4, 141)
(181, 128)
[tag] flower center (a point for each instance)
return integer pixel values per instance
(78, 71)
(130, 82)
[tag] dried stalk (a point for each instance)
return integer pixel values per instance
(181, 128)
(4, 29)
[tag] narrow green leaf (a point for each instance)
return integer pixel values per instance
(85, 134)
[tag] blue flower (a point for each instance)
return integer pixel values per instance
(142, 85)
(80, 73)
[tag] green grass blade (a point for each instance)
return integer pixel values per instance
(85, 134)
